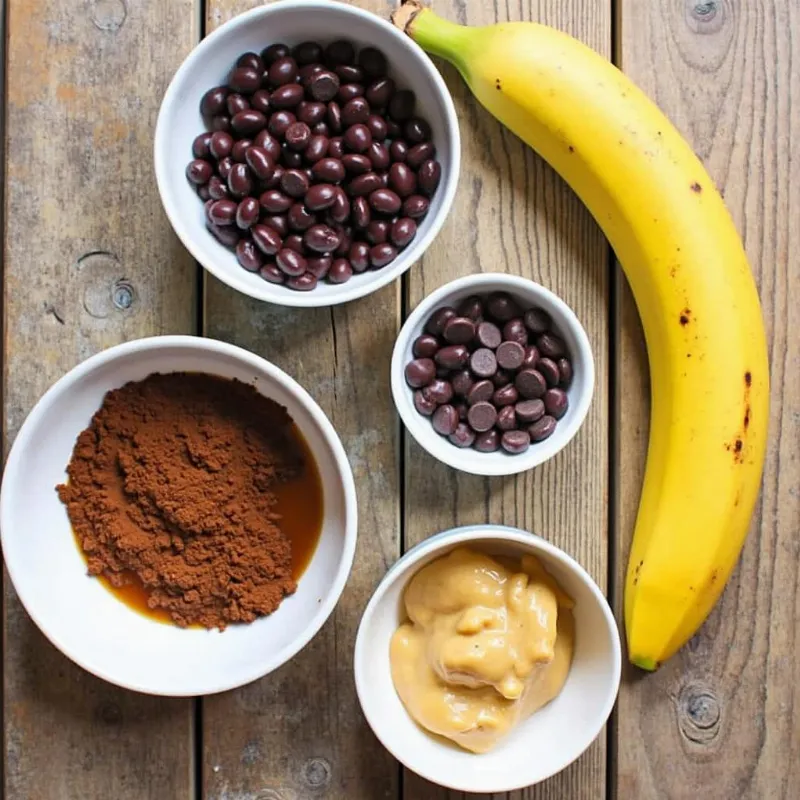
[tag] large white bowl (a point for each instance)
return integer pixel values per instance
(547, 741)
(294, 21)
(565, 323)
(79, 615)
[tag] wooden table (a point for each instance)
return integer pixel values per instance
(90, 261)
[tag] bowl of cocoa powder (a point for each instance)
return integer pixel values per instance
(178, 516)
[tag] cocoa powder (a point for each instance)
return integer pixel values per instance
(172, 485)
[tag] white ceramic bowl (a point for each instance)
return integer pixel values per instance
(79, 615)
(293, 21)
(565, 323)
(547, 741)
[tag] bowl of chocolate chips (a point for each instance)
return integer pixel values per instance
(492, 374)
(307, 153)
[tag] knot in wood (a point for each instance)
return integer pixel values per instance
(110, 713)
(704, 12)
(699, 713)
(108, 15)
(705, 17)
(317, 773)
(123, 295)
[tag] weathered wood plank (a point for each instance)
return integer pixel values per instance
(299, 732)
(89, 261)
(720, 720)
(514, 214)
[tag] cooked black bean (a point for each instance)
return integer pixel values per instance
(223, 212)
(377, 126)
(319, 266)
(298, 135)
(247, 213)
(220, 144)
(252, 60)
(271, 273)
(239, 151)
(364, 184)
(199, 172)
(420, 153)
(398, 151)
(245, 80)
(222, 122)
(416, 206)
(359, 256)
(319, 131)
(260, 163)
(260, 101)
(349, 73)
(268, 143)
(334, 116)
(355, 111)
(340, 52)
(299, 217)
(279, 123)
(393, 129)
(307, 72)
(290, 262)
(356, 163)
(311, 112)
(402, 231)
(361, 213)
(224, 168)
(401, 105)
(373, 62)
(303, 283)
(228, 236)
(402, 179)
(249, 256)
(275, 201)
(307, 53)
(385, 201)
(290, 158)
(272, 53)
(357, 138)
(319, 197)
(379, 92)
(324, 85)
(345, 238)
(235, 103)
(428, 176)
(453, 356)
(203, 193)
(266, 239)
(377, 232)
(336, 147)
(515, 442)
(542, 429)
(295, 242)
(379, 156)
(340, 208)
(217, 189)
(330, 170)
(213, 102)
(417, 130)
(278, 223)
(321, 239)
(382, 254)
(287, 96)
(200, 145)
(282, 71)
(340, 271)
(294, 182)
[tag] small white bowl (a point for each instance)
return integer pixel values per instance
(565, 323)
(545, 743)
(79, 615)
(208, 65)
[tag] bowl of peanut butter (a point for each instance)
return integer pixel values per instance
(487, 659)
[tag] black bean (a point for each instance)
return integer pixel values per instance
(377, 127)
(345, 239)
(223, 212)
(303, 283)
(514, 331)
(348, 73)
(336, 147)
(307, 72)
(334, 116)
(565, 373)
(320, 129)
(515, 442)
(377, 232)
(321, 239)
(271, 273)
(272, 53)
(420, 153)
(222, 122)
(213, 102)
(340, 208)
(299, 217)
(359, 256)
(260, 101)
(549, 370)
(403, 230)
(298, 135)
(247, 213)
(236, 103)
(364, 184)
(401, 105)
(295, 242)
(200, 145)
(278, 223)
(261, 165)
(239, 151)
(290, 158)
(356, 163)
(287, 96)
(357, 138)
(428, 176)
(537, 320)
(311, 112)
(217, 189)
(379, 92)
(416, 206)
(355, 112)
(220, 144)
(279, 123)
(319, 266)
(249, 256)
(324, 85)
(528, 411)
(294, 182)
(551, 345)
(252, 60)
(361, 213)
(330, 170)
(402, 179)
(382, 254)
(282, 71)
(290, 262)
(398, 151)
(320, 196)
(199, 172)
(542, 429)
(445, 420)
(556, 402)
(385, 201)
(379, 156)
(275, 201)
(316, 149)
(203, 193)
(224, 168)
(307, 52)
(420, 372)
(340, 271)
(268, 143)
(417, 130)
(373, 62)
(393, 129)
(245, 80)
(266, 239)
(507, 419)
(227, 235)
(340, 52)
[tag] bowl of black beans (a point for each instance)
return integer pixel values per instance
(307, 152)
(492, 374)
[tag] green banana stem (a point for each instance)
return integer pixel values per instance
(432, 33)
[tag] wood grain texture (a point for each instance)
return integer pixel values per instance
(89, 262)
(299, 733)
(514, 214)
(721, 719)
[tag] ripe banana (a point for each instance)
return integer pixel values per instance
(693, 288)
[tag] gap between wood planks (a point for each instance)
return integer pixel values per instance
(3, 71)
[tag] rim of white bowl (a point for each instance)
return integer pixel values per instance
(347, 292)
(468, 459)
(448, 539)
(22, 442)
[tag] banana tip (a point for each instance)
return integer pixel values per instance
(645, 663)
